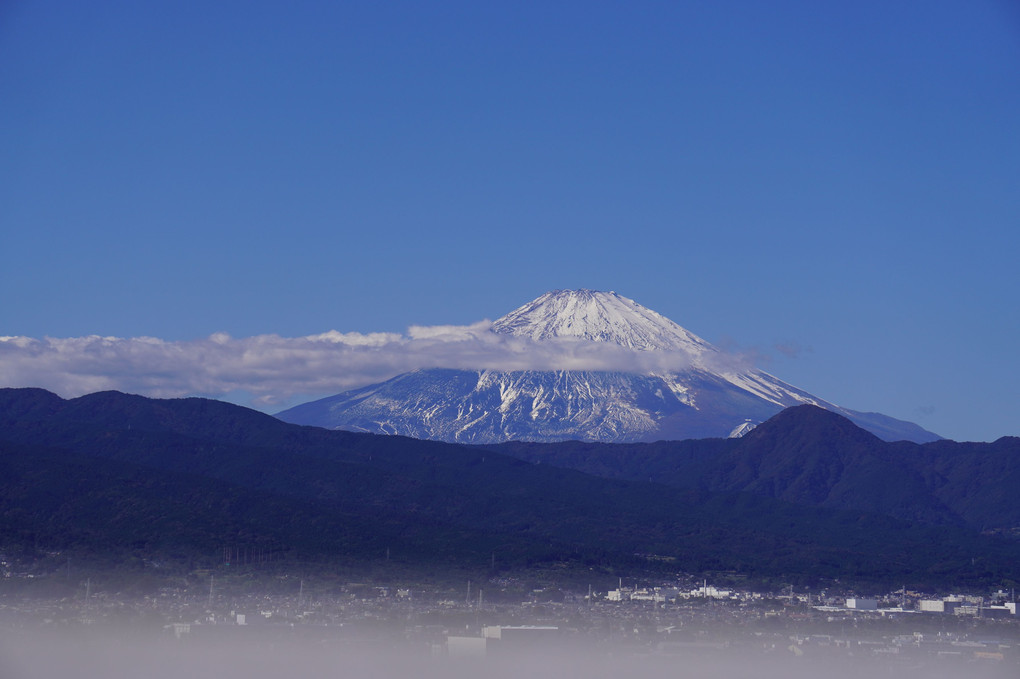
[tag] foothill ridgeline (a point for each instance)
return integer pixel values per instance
(805, 496)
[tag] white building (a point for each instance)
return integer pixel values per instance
(711, 592)
(622, 594)
(931, 606)
(946, 605)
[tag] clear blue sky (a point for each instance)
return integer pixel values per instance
(834, 186)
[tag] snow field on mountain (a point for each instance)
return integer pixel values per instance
(703, 393)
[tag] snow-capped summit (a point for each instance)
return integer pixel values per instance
(598, 317)
(712, 395)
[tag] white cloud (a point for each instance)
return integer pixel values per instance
(269, 371)
(453, 333)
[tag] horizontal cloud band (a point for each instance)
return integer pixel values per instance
(273, 369)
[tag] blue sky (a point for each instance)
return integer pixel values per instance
(833, 188)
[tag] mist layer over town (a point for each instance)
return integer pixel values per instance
(290, 627)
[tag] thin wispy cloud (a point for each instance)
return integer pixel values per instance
(270, 370)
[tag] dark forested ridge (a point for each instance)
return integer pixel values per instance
(811, 456)
(185, 478)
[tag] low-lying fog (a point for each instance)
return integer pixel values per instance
(106, 654)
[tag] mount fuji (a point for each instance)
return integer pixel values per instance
(676, 386)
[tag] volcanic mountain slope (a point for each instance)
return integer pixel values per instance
(675, 385)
